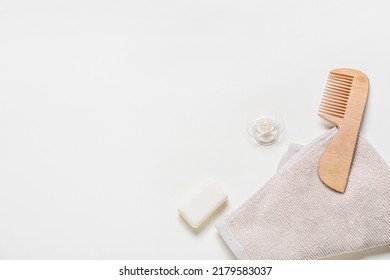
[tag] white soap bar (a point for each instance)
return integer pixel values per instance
(205, 199)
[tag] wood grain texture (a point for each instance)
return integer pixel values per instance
(343, 104)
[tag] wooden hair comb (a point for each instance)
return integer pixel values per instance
(342, 104)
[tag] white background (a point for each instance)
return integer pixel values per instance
(111, 111)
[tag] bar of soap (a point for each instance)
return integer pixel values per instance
(206, 198)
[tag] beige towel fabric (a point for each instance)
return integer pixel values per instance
(295, 216)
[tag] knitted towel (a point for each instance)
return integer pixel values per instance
(295, 216)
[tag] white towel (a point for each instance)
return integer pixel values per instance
(295, 216)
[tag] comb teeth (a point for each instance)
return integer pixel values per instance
(336, 94)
